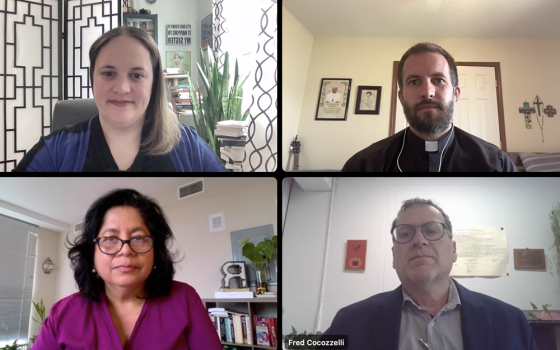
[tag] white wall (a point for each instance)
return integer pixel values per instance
(246, 203)
(329, 144)
(177, 12)
(297, 43)
(364, 209)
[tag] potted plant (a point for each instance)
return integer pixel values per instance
(259, 255)
(545, 309)
(217, 103)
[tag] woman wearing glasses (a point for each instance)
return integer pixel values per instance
(128, 299)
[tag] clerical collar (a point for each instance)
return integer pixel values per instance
(430, 146)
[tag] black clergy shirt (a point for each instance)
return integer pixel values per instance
(464, 152)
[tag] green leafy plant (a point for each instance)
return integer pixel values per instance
(545, 309)
(261, 254)
(554, 216)
(217, 103)
(40, 309)
(14, 346)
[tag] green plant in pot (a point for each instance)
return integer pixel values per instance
(218, 104)
(260, 255)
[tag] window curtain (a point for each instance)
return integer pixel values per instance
(247, 29)
(17, 266)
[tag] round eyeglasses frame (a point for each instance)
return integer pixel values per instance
(123, 241)
(444, 226)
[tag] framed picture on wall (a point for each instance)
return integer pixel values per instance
(368, 99)
(334, 95)
(206, 32)
(181, 60)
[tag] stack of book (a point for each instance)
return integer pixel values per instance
(184, 96)
(232, 326)
(266, 330)
(232, 135)
(171, 71)
(267, 295)
(238, 293)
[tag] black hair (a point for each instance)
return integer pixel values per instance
(81, 252)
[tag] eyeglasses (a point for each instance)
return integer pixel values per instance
(432, 231)
(113, 245)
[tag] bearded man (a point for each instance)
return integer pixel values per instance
(428, 90)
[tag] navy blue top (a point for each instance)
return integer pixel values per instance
(486, 323)
(83, 148)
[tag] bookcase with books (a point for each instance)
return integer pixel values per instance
(260, 313)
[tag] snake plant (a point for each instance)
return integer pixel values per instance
(218, 103)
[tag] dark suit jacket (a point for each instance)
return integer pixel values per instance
(487, 323)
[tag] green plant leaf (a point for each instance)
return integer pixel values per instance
(225, 85)
(534, 306)
(294, 332)
(265, 248)
(246, 114)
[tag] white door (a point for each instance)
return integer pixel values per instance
(477, 109)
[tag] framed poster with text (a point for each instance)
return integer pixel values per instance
(368, 99)
(334, 94)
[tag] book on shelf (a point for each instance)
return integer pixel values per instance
(229, 160)
(271, 322)
(232, 134)
(170, 71)
(265, 330)
(229, 337)
(261, 330)
(233, 295)
(234, 327)
(232, 143)
(218, 309)
(267, 295)
(235, 290)
(236, 168)
(234, 151)
(234, 139)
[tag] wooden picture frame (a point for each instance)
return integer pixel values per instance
(334, 95)
(368, 99)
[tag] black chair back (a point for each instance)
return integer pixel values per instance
(70, 112)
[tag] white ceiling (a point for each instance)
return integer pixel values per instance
(430, 18)
(54, 202)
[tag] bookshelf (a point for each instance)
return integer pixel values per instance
(264, 307)
(146, 22)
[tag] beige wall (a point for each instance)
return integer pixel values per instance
(528, 67)
(296, 43)
(246, 203)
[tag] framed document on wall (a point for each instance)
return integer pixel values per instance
(334, 94)
(367, 100)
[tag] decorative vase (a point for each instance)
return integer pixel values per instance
(260, 286)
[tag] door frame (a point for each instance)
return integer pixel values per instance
(496, 65)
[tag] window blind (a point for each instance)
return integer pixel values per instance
(18, 245)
